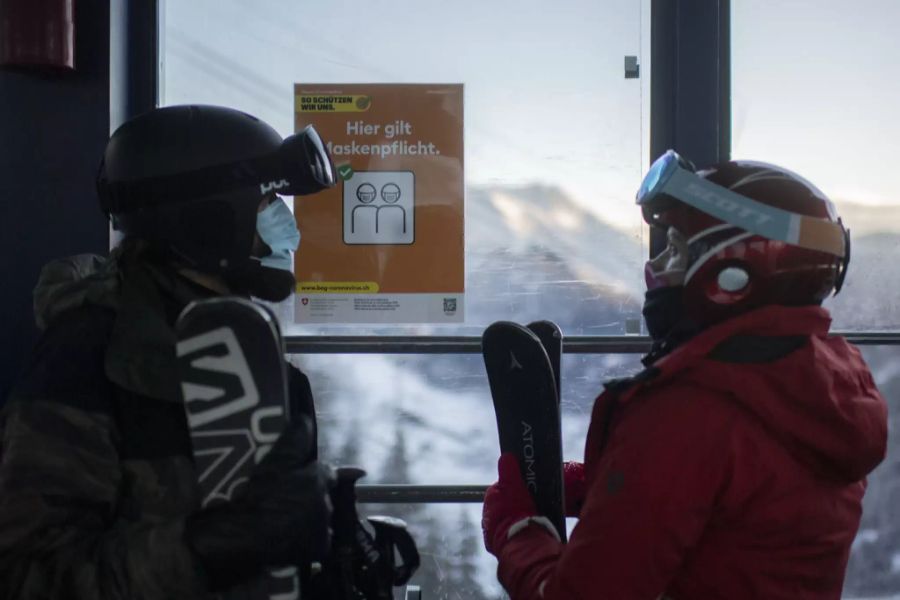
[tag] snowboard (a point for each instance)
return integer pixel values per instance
(234, 385)
(524, 391)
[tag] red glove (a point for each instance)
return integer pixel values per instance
(576, 488)
(506, 503)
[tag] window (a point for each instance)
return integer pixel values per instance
(553, 131)
(814, 91)
(555, 149)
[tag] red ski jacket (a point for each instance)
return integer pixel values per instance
(731, 468)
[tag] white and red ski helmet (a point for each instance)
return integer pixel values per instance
(756, 234)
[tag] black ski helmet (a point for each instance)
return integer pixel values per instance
(189, 180)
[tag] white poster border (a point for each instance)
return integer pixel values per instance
(432, 308)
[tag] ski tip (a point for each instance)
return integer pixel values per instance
(202, 315)
(500, 334)
(500, 325)
(547, 326)
(234, 303)
(499, 328)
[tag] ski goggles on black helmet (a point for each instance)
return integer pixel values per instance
(306, 164)
(672, 178)
(300, 166)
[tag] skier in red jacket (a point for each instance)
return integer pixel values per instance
(734, 465)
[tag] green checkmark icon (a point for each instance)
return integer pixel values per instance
(345, 172)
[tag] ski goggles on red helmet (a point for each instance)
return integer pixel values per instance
(300, 166)
(673, 177)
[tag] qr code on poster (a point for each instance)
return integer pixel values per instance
(449, 305)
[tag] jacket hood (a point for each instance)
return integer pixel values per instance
(69, 282)
(145, 297)
(816, 396)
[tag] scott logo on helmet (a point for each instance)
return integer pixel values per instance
(737, 212)
(272, 186)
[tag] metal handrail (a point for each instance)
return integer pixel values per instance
(583, 344)
(419, 494)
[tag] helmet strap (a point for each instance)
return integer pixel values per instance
(265, 283)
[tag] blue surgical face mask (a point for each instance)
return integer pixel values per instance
(278, 229)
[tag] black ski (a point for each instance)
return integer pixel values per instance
(234, 385)
(523, 387)
(552, 340)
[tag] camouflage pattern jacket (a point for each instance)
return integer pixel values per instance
(96, 476)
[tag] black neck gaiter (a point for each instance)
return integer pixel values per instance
(266, 283)
(666, 321)
(663, 309)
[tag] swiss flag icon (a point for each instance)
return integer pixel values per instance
(304, 301)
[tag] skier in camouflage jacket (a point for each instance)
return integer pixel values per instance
(98, 492)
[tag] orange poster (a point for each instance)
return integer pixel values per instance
(386, 245)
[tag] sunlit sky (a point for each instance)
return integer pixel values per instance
(815, 84)
(545, 96)
(816, 87)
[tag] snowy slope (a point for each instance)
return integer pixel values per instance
(519, 218)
